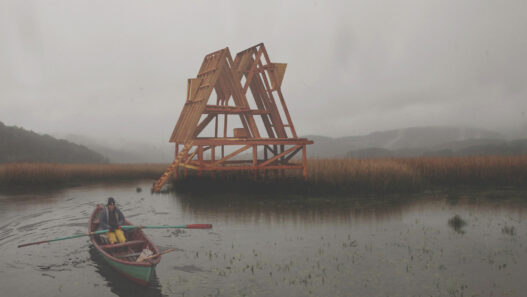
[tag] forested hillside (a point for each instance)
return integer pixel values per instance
(20, 145)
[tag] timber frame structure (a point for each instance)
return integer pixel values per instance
(253, 71)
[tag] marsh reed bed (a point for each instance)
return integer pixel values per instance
(325, 176)
(46, 174)
(390, 175)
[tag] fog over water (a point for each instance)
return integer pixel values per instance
(118, 69)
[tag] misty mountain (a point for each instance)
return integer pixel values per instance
(124, 151)
(408, 142)
(20, 145)
(405, 142)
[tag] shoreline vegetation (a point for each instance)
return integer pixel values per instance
(371, 176)
(39, 175)
(325, 176)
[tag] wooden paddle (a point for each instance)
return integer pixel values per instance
(189, 226)
(64, 238)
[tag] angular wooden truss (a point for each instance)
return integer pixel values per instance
(252, 81)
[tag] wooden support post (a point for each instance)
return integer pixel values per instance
(224, 125)
(255, 162)
(224, 134)
(265, 152)
(200, 160)
(275, 152)
(212, 158)
(282, 171)
(304, 162)
(216, 127)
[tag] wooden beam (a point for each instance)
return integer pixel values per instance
(203, 124)
(279, 155)
(292, 154)
(232, 154)
(252, 71)
(304, 161)
(247, 167)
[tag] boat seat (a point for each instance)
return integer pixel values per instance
(124, 244)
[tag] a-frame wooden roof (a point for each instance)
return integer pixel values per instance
(251, 70)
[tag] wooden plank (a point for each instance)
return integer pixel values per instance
(248, 167)
(240, 100)
(238, 141)
(252, 71)
(232, 155)
(292, 154)
(275, 114)
(278, 156)
(192, 87)
(277, 74)
(286, 111)
(203, 124)
(304, 161)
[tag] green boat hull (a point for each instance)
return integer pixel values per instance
(138, 274)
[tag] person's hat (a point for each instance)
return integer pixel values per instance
(111, 201)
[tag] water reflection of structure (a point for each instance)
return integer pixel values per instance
(122, 286)
(276, 209)
(290, 208)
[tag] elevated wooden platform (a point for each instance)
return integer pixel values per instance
(253, 71)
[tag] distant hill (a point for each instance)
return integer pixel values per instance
(408, 142)
(459, 149)
(417, 141)
(20, 145)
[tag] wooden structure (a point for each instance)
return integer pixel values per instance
(245, 89)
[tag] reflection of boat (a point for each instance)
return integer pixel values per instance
(122, 256)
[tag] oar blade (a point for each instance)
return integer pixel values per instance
(199, 226)
(31, 243)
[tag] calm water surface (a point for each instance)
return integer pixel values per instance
(273, 246)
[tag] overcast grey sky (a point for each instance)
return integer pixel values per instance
(119, 68)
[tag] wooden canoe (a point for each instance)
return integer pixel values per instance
(122, 256)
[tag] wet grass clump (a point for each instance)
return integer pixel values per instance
(508, 230)
(457, 223)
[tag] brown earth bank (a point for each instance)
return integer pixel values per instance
(324, 176)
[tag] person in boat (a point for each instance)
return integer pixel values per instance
(111, 219)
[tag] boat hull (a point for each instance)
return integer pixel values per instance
(138, 274)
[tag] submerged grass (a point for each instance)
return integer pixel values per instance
(325, 176)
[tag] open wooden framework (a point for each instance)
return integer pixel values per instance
(245, 88)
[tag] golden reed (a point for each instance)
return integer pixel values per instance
(385, 175)
(421, 172)
(15, 174)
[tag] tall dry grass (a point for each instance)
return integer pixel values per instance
(441, 171)
(391, 175)
(324, 175)
(35, 174)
